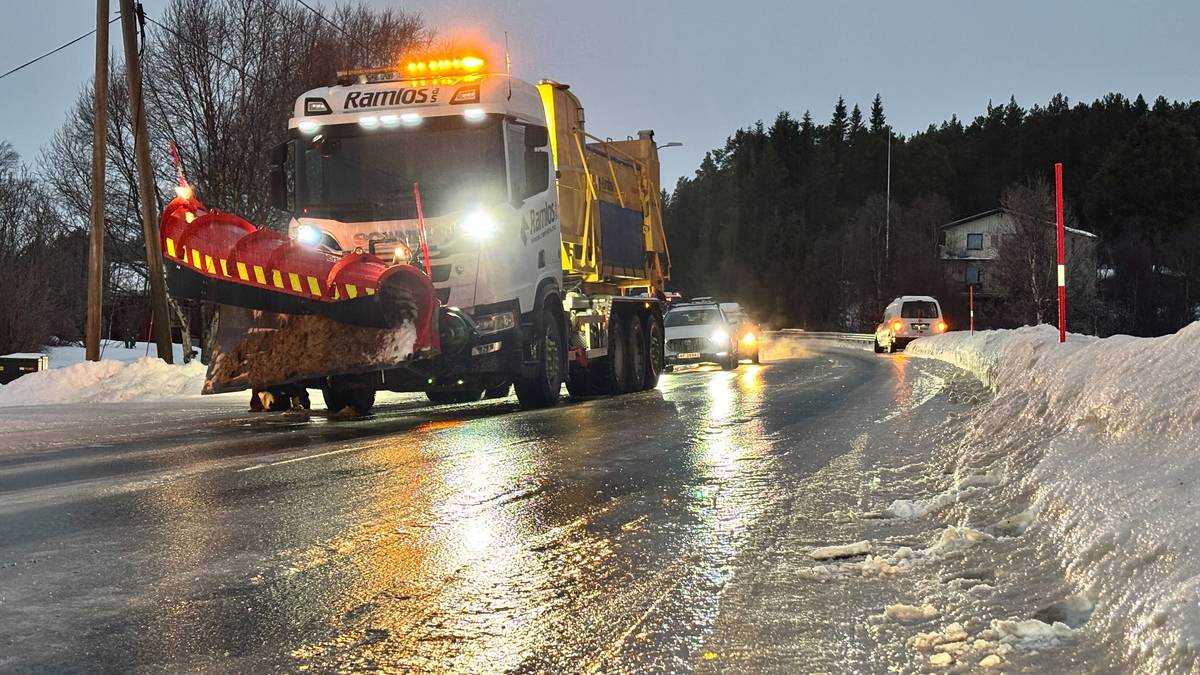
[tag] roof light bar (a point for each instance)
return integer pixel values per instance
(462, 66)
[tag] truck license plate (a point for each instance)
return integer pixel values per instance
(689, 355)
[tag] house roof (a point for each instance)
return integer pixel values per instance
(992, 212)
(977, 216)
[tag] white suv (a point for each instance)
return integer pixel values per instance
(906, 319)
(700, 333)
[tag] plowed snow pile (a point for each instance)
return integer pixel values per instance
(1100, 438)
(146, 379)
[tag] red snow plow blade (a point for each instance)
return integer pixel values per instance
(292, 313)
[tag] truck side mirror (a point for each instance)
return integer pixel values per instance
(536, 137)
(537, 172)
(279, 176)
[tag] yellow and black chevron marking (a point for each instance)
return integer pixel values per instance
(297, 283)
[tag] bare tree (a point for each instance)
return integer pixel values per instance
(1026, 265)
(40, 270)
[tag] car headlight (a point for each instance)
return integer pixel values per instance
(492, 323)
(719, 337)
(479, 225)
(308, 235)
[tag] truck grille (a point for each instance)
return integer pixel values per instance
(686, 345)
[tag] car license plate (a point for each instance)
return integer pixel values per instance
(689, 355)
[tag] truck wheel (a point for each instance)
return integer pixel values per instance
(544, 388)
(334, 399)
(496, 392)
(445, 397)
(754, 359)
(878, 347)
(730, 362)
(638, 355)
(358, 399)
(654, 344)
(616, 369)
(361, 401)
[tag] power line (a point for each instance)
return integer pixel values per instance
(185, 38)
(54, 51)
(331, 23)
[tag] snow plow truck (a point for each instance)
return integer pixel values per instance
(453, 231)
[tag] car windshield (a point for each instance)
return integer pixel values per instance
(919, 309)
(691, 317)
(355, 175)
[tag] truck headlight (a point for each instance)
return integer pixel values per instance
(479, 225)
(749, 339)
(719, 337)
(493, 323)
(308, 235)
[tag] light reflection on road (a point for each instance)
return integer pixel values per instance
(606, 534)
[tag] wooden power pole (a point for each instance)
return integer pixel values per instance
(146, 194)
(95, 294)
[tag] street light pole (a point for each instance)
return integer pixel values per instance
(146, 194)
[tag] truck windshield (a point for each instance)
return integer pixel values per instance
(352, 174)
(919, 309)
(690, 317)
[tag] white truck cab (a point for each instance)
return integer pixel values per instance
(473, 148)
(907, 318)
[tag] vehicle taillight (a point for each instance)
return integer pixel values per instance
(897, 326)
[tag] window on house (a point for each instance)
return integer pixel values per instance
(975, 241)
(974, 276)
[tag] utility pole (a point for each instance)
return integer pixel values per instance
(95, 294)
(146, 194)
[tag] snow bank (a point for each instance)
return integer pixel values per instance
(146, 379)
(1102, 438)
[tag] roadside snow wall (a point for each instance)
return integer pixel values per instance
(146, 379)
(1101, 437)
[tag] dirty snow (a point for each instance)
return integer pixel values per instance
(910, 613)
(840, 551)
(1095, 444)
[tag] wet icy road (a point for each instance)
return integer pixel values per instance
(648, 532)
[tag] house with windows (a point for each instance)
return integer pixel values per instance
(970, 248)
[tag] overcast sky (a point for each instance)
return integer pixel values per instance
(696, 70)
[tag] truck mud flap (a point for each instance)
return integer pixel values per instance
(260, 349)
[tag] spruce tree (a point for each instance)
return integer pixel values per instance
(856, 123)
(837, 123)
(878, 120)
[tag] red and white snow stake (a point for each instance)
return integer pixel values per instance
(1062, 267)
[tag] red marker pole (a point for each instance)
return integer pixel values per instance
(971, 294)
(1062, 267)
